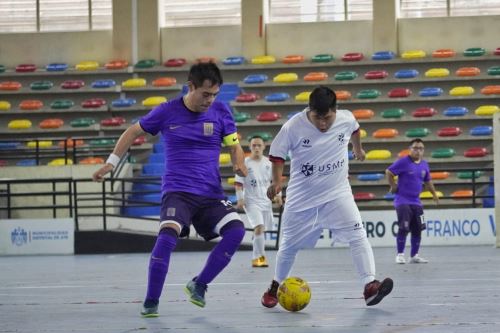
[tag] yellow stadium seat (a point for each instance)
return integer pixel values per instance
(486, 110)
(286, 78)
(4, 105)
(134, 83)
(378, 154)
(154, 101)
(19, 124)
(87, 66)
(224, 158)
(60, 161)
(428, 194)
(437, 72)
(413, 54)
(462, 91)
(230, 181)
(263, 60)
(303, 96)
(362, 133)
(41, 144)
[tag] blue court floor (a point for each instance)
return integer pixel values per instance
(458, 291)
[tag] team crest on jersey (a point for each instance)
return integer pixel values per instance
(307, 169)
(253, 182)
(341, 137)
(423, 174)
(208, 129)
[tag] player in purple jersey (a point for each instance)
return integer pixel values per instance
(193, 128)
(412, 172)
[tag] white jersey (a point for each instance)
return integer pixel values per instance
(257, 181)
(319, 161)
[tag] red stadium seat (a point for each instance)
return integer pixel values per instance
(353, 56)
(364, 196)
(72, 84)
(24, 68)
(378, 74)
(449, 131)
(247, 98)
(399, 92)
(139, 141)
(112, 122)
(424, 112)
(476, 152)
(175, 62)
(268, 116)
(93, 103)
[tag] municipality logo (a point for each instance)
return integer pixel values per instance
(19, 236)
(307, 169)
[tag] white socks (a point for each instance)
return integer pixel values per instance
(258, 246)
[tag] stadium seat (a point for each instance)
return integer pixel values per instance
(362, 133)
(41, 85)
(486, 110)
(437, 72)
(91, 160)
(315, 76)
(364, 196)
(31, 104)
(139, 141)
(443, 153)
(70, 143)
(87, 66)
(455, 111)
(404, 152)
(385, 133)
(481, 130)
(26, 162)
(116, 64)
(72, 84)
(383, 55)
(123, 102)
(233, 61)
(494, 70)
(363, 114)
(277, 97)
(399, 93)
(293, 59)
(25, 68)
(5, 105)
(406, 74)
(376, 74)
(430, 92)
(389, 196)
(60, 162)
(413, 54)
(474, 52)
(92, 103)
(241, 117)
(468, 71)
(224, 158)
(153, 101)
(449, 131)
(61, 104)
(497, 51)
(134, 83)
(443, 53)
(268, 116)
(418, 132)
(469, 174)
(231, 181)
(476, 152)
(368, 94)
(438, 175)
(378, 154)
(393, 113)
(462, 194)
(41, 144)
(371, 176)
(461, 91)
(10, 85)
(103, 83)
(19, 124)
(255, 78)
(352, 56)
(428, 195)
(424, 112)
(2, 68)
(286, 78)
(303, 96)
(247, 97)
(51, 123)
(164, 82)
(491, 90)
(175, 62)
(102, 142)
(343, 95)
(263, 60)
(145, 63)
(56, 67)
(322, 58)
(113, 122)
(346, 75)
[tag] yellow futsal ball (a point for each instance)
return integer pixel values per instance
(294, 294)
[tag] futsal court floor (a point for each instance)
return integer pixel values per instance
(458, 291)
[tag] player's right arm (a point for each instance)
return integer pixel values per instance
(121, 147)
(393, 187)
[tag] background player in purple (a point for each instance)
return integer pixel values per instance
(193, 127)
(412, 172)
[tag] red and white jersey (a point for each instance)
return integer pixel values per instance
(257, 181)
(319, 161)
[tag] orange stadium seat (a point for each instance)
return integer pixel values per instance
(293, 59)
(491, 90)
(92, 160)
(443, 53)
(51, 123)
(439, 175)
(363, 113)
(343, 95)
(315, 76)
(468, 71)
(31, 104)
(462, 194)
(385, 133)
(10, 85)
(70, 143)
(403, 153)
(116, 64)
(164, 82)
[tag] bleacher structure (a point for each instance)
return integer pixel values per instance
(447, 99)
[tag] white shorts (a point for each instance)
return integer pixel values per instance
(256, 216)
(341, 216)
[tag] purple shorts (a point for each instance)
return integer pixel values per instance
(410, 218)
(202, 212)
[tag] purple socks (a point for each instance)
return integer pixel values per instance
(158, 263)
(232, 235)
(415, 245)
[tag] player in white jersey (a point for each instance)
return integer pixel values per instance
(251, 192)
(319, 195)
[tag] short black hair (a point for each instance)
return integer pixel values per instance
(322, 99)
(416, 140)
(256, 137)
(205, 71)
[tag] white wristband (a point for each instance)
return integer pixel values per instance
(113, 159)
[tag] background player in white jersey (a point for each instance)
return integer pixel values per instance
(252, 197)
(319, 195)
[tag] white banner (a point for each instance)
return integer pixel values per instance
(470, 226)
(30, 236)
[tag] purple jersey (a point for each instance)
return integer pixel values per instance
(411, 177)
(192, 143)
